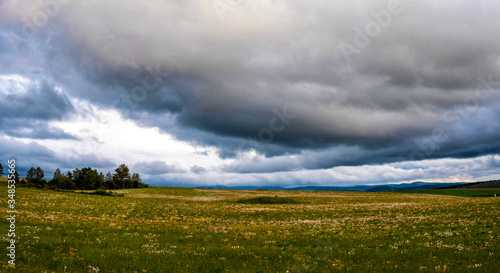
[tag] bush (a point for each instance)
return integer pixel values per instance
(106, 193)
(268, 200)
(64, 190)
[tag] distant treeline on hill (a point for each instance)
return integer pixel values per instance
(83, 179)
(477, 185)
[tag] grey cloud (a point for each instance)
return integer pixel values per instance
(26, 108)
(430, 170)
(24, 128)
(157, 167)
(25, 154)
(40, 101)
(462, 138)
(221, 80)
(33, 154)
(197, 169)
(80, 158)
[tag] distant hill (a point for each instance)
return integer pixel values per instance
(408, 186)
(368, 188)
(378, 188)
(476, 185)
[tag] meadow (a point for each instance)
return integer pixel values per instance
(209, 230)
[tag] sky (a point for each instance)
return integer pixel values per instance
(255, 93)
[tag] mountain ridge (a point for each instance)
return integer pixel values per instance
(417, 185)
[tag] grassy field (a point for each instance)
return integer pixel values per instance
(206, 230)
(461, 192)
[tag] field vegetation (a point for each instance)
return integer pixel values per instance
(209, 230)
(461, 192)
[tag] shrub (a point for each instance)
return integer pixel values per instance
(268, 200)
(106, 193)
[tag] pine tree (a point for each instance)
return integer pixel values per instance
(136, 180)
(39, 174)
(122, 177)
(99, 184)
(30, 176)
(57, 181)
(16, 177)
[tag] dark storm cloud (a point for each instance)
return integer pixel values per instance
(27, 107)
(228, 146)
(82, 159)
(16, 148)
(26, 154)
(180, 67)
(33, 154)
(460, 138)
(40, 101)
(23, 128)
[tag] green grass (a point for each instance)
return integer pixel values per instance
(207, 230)
(461, 192)
(268, 200)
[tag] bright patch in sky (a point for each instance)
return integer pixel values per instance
(107, 133)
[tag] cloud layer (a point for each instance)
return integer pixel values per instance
(272, 86)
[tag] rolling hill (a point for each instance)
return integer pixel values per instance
(477, 185)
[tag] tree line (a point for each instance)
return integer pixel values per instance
(16, 174)
(81, 179)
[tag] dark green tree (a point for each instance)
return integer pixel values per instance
(86, 178)
(30, 176)
(57, 180)
(121, 177)
(16, 177)
(1, 169)
(109, 182)
(57, 174)
(92, 179)
(99, 183)
(39, 173)
(39, 181)
(136, 180)
(67, 183)
(78, 178)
